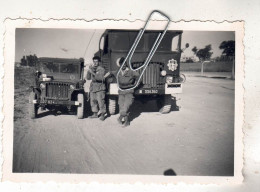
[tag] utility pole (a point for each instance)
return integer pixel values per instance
(202, 67)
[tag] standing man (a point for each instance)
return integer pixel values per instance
(126, 79)
(96, 73)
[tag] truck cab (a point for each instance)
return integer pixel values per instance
(161, 79)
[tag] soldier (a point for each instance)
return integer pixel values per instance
(96, 73)
(126, 79)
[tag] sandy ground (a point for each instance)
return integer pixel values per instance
(195, 139)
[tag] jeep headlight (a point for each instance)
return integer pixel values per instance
(169, 79)
(42, 86)
(72, 87)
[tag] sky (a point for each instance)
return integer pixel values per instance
(76, 43)
(202, 38)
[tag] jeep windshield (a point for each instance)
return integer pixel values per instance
(49, 68)
(60, 70)
(70, 68)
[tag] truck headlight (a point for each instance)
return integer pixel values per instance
(72, 87)
(42, 86)
(163, 73)
(169, 79)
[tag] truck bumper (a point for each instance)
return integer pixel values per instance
(171, 89)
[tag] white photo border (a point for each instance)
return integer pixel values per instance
(8, 101)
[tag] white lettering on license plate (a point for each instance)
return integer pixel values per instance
(150, 91)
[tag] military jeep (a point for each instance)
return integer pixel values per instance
(59, 83)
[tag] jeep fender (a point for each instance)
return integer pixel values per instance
(36, 90)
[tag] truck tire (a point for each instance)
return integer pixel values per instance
(112, 105)
(182, 78)
(166, 104)
(80, 108)
(33, 108)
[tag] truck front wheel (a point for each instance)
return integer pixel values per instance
(80, 109)
(33, 108)
(166, 104)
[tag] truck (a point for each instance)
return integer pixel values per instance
(59, 84)
(161, 79)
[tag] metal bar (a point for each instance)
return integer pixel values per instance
(63, 90)
(148, 71)
(152, 74)
(52, 90)
(156, 74)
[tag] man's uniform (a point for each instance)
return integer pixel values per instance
(97, 90)
(126, 79)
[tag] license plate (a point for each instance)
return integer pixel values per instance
(149, 91)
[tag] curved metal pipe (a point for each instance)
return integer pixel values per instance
(151, 53)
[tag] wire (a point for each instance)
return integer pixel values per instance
(89, 43)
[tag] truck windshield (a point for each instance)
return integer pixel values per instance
(124, 40)
(170, 42)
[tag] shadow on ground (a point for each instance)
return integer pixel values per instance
(141, 106)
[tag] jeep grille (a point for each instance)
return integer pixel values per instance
(57, 91)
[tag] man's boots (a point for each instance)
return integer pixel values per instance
(95, 115)
(102, 117)
(127, 122)
(119, 119)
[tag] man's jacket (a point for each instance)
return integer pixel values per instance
(98, 81)
(127, 79)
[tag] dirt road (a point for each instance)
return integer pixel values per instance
(196, 140)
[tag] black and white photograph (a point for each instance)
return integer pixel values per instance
(130, 96)
(84, 105)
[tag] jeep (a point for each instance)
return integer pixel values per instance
(59, 83)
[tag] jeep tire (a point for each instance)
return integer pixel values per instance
(33, 108)
(80, 108)
(166, 104)
(112, 103)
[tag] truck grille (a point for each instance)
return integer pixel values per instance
(57, 91)
(151, 77)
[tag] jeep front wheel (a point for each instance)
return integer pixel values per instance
(166, 104)
(33, 108)
(80, 109)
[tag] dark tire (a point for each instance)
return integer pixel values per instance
(33, 108)
(112, 102)
(80, 108)
(166, 104)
